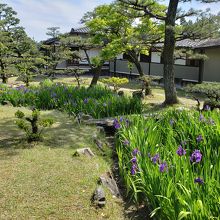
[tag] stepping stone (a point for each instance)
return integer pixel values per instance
(84, 151)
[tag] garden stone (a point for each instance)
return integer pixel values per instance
(84, 151)
(100, 129)
(98, 143)
(98, 198)
(121, 93)
(6, 103)
(108, 181)
(86, 117)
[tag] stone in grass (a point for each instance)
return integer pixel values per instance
(84, 151)
(85, 117)
(121, 93)
(108, 181)
(100, 129)
(98, 198)
(6, 103)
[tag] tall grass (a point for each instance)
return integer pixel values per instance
(98, 101)
(161, 167)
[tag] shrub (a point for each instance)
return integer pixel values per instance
(210, 90)
(32, 126)
(116, 82)
(171, 163)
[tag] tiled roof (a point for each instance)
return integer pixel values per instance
(51, 41)
(82, 30)
(208, 43)
(188, 43)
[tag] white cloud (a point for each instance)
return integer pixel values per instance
(37, 15)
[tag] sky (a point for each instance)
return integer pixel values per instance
(37, 15)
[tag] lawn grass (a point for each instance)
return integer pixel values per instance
(44, 180)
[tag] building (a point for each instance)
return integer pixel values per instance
(83, 64)
(186, 70)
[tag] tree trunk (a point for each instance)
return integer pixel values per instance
(134, 59)
(139, 68)
(96, 73)
(4, 78)
(168, 54)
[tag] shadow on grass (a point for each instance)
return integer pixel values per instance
(64, 133)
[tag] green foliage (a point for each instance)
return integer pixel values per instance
(98, 102)
(31, 126)
(211, 90)
(167, 182)
(116, 82)
(19, 114)
(53, 31)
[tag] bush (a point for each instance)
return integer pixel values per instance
(98, 102)
(33, 126)
(210, 90)
(171, 163)
(116, 82)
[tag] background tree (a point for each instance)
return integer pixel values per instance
(169, 15)
(112, 24)
(86, 44)
(53, 32)
(9, 35)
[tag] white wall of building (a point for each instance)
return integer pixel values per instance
(212, 65)
(155, 57)
(180, 62)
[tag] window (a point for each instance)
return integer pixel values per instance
(145, 58)
(192, 62)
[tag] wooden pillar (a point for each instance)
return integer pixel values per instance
(115, 66)
(201, 71)
(201, 68)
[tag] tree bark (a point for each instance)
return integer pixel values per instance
(168, 54)
(96, 73)
(4, 78)
(134, 59)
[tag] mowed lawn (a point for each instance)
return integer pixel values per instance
(44, 180)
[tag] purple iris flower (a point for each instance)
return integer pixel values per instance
(199, 180)
(199, 138)
(155, 158)
(116, 124)
(133, 169)
(207, 108)
(126, 142)
(201, 117)
(181, 151)
(86, 101)
(127, 122)
(134, 160)
(135, 152)
(163, 167)
(196, 156)
(121, 119)
(172, 121)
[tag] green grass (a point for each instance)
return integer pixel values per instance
(43, 180)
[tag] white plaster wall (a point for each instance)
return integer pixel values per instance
(212, 65)
(180, 62)
(155, 57)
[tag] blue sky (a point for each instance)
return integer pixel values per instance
(37, 15)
